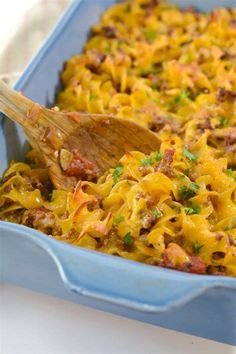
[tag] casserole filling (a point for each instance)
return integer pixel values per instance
(172, 71)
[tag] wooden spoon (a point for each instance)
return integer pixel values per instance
(75, 145)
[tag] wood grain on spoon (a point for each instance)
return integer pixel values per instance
(75, 145)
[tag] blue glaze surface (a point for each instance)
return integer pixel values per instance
(200, 305)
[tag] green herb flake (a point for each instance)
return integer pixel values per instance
(186, 172)
(157, 214)
(169, 106)
(93, 97)
(189, 155)
(194, 186)
(146, 162)
(197, 247)
(223, 122)
(118, 219)
(151, 35)
(183, 95)
(117, 172)
(128, 239)
(159, 156)
(195, 210)
(230, 173)
(186, 193)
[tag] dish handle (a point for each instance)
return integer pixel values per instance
(100, 276)
(126, 283)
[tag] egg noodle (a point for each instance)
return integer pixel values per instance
(173, 71)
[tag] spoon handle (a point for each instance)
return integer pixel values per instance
(14, 105)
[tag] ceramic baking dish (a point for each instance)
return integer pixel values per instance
(201, 305)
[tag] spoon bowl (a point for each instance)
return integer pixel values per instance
(75, 145)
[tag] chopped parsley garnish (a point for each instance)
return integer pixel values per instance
(159, 156)
(189, 155)
(194, 210)
(157, 214)
(118, 219)
(230, 173)
(194, 186)
(128, 239)
(93, 96)
(146, 162)
(186, 172)
(197, 247)
(151, 35)
(186, 193)
(184, 94)
(223, 122)
(117, 172)
(169, 105)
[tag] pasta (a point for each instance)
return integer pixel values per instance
(172, 71)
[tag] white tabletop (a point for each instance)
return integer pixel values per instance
(34, 323)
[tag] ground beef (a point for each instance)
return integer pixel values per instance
(148, 221)
(109, 31)
(216, 270)
(41, 219)
(164, 166)
(6, 178)
(159, 123)
(225, 95)
(206, 124)
(195, 265)
(81, 168)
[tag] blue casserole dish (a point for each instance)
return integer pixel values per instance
(200, 305)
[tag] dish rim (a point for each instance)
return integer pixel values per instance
(48, 243)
